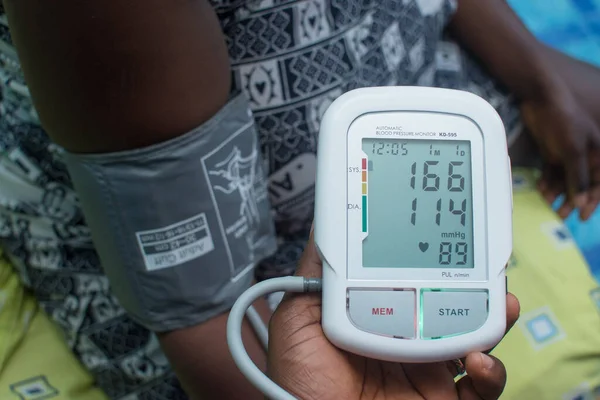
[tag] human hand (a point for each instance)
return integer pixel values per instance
(569, 141)
(307, 365)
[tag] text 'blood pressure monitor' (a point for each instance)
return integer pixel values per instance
(413, 222)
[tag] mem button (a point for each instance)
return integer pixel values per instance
(447, 313)
(383, 312)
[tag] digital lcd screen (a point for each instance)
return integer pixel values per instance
(419, 202)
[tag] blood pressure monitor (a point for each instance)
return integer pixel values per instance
(413, 223)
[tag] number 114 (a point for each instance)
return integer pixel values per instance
(453, 208)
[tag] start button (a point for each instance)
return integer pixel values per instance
(448, 313)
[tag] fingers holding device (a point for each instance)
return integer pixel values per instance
(413, 223)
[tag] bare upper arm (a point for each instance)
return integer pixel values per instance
(114, 75)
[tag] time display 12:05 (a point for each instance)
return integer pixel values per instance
(385, 147)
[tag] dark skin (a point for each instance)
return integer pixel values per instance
(584, 81)
(109, 76)
(558, 96)
(306, 364)
(119, 69)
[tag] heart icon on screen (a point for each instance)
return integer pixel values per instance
(423, 246)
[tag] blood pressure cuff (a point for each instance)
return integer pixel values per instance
(179, 226)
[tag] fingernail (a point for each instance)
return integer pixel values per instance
(580, 200)
(487, 361)
(565, 211)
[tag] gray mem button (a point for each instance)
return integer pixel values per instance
(384, 312)
(452, 313)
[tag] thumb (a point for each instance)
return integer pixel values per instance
(310, 265)
(486, 378)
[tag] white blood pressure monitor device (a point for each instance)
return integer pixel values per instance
(413, 223)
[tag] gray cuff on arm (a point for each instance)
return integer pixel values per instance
(180, 225)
